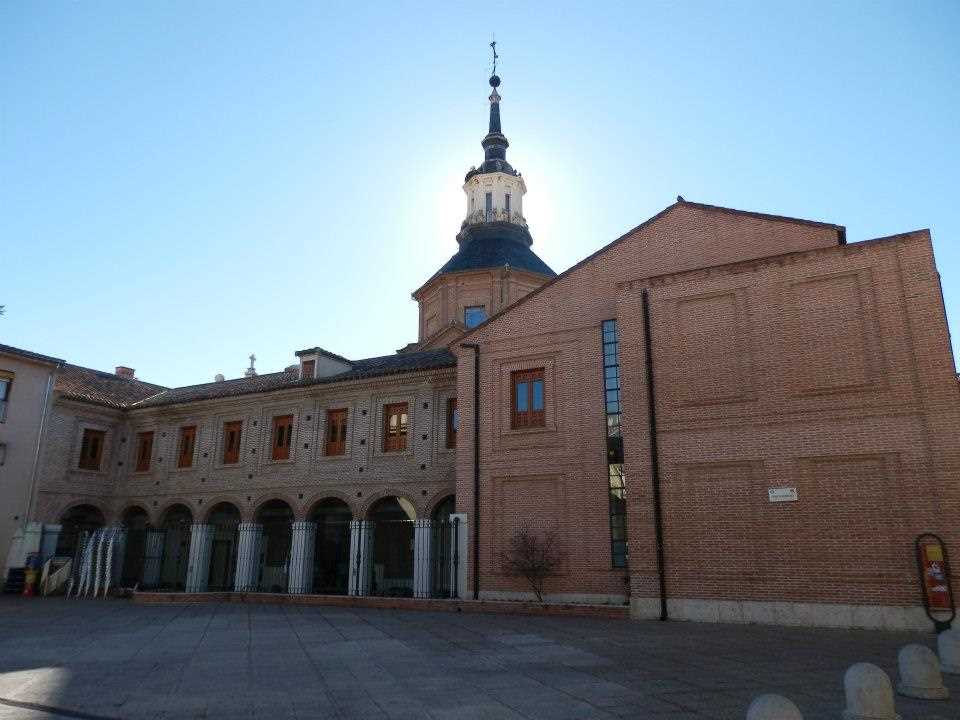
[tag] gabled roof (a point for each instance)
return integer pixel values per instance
(28, 355)
(840, 229)
(102, 388)
(320, 351)
(359, 370)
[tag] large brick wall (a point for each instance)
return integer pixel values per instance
(826, 368)
(423, 473)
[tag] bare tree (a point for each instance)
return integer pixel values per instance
(533, 556)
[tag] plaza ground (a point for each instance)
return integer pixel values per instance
(112, 659)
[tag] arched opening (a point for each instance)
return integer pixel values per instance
(275, 516)
(331, 553)
(443, 509)
(135, 520)
(225, 518)
(392, 558)
(175, 526)
(75, 523)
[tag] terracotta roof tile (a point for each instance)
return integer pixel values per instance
(102, 388)
(361, 369)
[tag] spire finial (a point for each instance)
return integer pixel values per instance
(493, 47)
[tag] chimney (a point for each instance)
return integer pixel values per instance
(125, 372)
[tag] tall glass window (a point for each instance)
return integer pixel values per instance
(489, 205)
(615, 478)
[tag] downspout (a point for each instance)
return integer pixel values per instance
(654, 455)
(36, 455)
(476, 467)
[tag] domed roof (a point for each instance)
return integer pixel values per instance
(495, 245)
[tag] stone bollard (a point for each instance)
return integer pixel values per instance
(869, 694)
(773, 707)
(920, 674)
(948, 647)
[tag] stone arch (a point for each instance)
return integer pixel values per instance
(129, 508)
(371, 502)
(172, 502)
(218, 505)
(317, 498)
(441, 506)
(76, 519)
(432, 501)
(75, 503)
(261, 500)
(210, 503)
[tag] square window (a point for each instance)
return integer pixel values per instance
(474, 315)
(527, 399)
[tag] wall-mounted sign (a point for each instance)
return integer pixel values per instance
(933, 566)
(782, 494)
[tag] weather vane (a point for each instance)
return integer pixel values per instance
(493, 46)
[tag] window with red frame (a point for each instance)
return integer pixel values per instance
(395, 427)
(336, 432)
(527, 399)
(188, 439)
(91, 449)
(282, 432)
(231, 441)
(144, 450)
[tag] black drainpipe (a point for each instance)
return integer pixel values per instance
(476, 467)
(654, 460)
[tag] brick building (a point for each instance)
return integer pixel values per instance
(650, 408)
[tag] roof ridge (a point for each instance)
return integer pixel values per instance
(761, 215)
(841, 232)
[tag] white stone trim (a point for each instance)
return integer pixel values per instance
(836, 615)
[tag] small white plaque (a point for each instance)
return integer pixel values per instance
(782, 494)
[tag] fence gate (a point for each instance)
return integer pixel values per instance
(391, 565)
(444, 561)
(331, 558)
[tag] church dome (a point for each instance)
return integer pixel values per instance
(495, 245)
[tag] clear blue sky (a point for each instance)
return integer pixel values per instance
(183, 183)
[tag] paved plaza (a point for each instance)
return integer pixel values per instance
(112, 659)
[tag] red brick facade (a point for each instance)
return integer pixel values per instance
(782, 357)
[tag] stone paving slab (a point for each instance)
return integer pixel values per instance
(111, 659)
